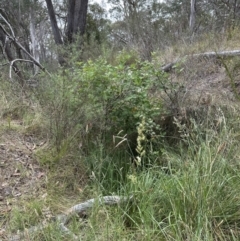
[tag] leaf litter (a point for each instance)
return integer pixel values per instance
(21, 177)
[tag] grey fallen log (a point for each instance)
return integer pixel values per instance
(231, 53)
(63, 219)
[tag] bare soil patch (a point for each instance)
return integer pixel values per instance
(21, 177)
(205, 83)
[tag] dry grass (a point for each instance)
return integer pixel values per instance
(206, 42)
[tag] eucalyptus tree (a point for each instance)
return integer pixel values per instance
(20, 31)
(192, 19)
(75, 23)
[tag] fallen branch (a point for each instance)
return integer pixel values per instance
(231, 53)
(15, 60)
(63, 219)
(8, 24)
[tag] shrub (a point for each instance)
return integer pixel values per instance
(96, 100)
(88, 105)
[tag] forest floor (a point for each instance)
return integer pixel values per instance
(21, 177)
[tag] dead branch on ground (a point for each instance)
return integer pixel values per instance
(63, 219)
(222, 54)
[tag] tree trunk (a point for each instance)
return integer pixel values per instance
(6, 45)
(76, 20)
(70, 21)
(83, 16)
(192, 16)
(55, 29)
(34, 42)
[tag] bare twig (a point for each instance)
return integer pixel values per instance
(15, 60)
(8, 24)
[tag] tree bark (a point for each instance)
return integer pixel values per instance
(192, 16)
(76, 20)
(6, 46)
(83, 16)
(55, 29)
(70, 21)
(34, 42)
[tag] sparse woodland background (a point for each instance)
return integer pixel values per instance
(136, 99)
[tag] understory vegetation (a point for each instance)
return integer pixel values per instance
(118, 125)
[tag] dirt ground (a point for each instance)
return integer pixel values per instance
(20, 175)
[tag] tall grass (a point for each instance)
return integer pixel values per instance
(199, 197)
